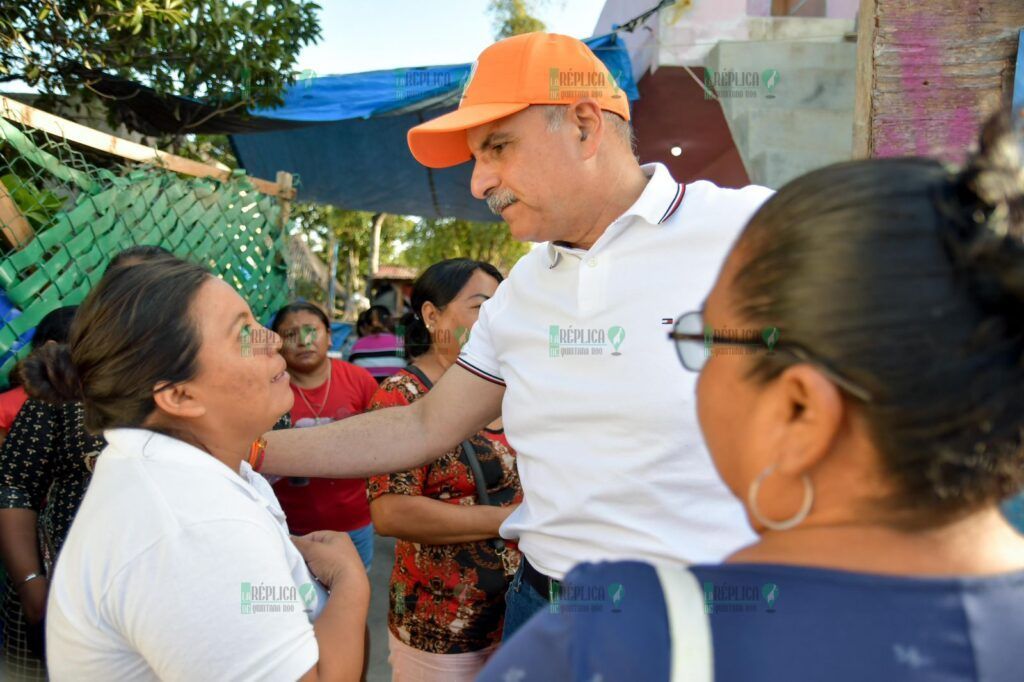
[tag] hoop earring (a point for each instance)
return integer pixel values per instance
(792, 522)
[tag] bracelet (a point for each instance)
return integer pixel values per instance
(30, 577)
(256, 453)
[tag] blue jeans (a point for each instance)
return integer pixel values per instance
(521, 602)
(362, 538)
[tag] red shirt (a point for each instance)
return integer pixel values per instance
(328, 503)
(10, 404)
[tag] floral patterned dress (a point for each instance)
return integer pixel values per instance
(448, 599)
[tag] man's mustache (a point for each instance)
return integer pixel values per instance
(500, 199)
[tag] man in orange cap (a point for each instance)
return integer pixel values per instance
(571, 350)
(519, 87)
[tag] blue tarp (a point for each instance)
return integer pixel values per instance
(1018, 79)
(1014, 508)
(362, 95)
(353, 153)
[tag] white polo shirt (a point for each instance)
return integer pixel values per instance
(597, 405)
(176, 568)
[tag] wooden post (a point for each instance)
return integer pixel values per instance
(865, 80)
(284, 196)
(332, 274)
(15, 226)
(377, 222)
(930, 73)
(350, 285)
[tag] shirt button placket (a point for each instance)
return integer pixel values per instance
(589, 296)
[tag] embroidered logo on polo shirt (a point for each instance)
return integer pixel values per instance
(575, 341)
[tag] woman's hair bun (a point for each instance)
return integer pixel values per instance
(49, 374)
(986, 212)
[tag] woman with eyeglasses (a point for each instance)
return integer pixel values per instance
(861, 362)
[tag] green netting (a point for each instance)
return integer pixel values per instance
(82, 216)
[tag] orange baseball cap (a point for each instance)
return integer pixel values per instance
(510, 75)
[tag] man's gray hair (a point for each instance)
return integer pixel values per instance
(555, 114)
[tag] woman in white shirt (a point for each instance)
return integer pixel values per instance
(179, 565)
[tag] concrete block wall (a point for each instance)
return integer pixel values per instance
(807, 122)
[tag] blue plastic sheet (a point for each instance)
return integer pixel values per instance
(1018, 79)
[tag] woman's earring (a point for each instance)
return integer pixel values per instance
(792, 522)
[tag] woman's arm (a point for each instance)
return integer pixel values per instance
(20, 555)
(27, 468)
(395, 439)
(433, 522)
(341, 627)
(340, 633)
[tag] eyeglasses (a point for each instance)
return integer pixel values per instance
(694, 342)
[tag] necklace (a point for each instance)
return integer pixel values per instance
(327, 395)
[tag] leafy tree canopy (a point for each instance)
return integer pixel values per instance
(512, 17)
(238, 54)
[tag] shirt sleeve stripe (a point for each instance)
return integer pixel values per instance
(461, 362)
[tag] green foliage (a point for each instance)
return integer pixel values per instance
(38, 206)
(204, 148)
(233, 53)
(405, 240)
(437, 239)
(512, 17)
(353, 230)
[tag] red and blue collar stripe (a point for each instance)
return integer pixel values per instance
(676, 200)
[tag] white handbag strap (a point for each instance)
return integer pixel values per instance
(692, 655)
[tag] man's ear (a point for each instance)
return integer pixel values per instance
(586, 116)
(177, 400)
